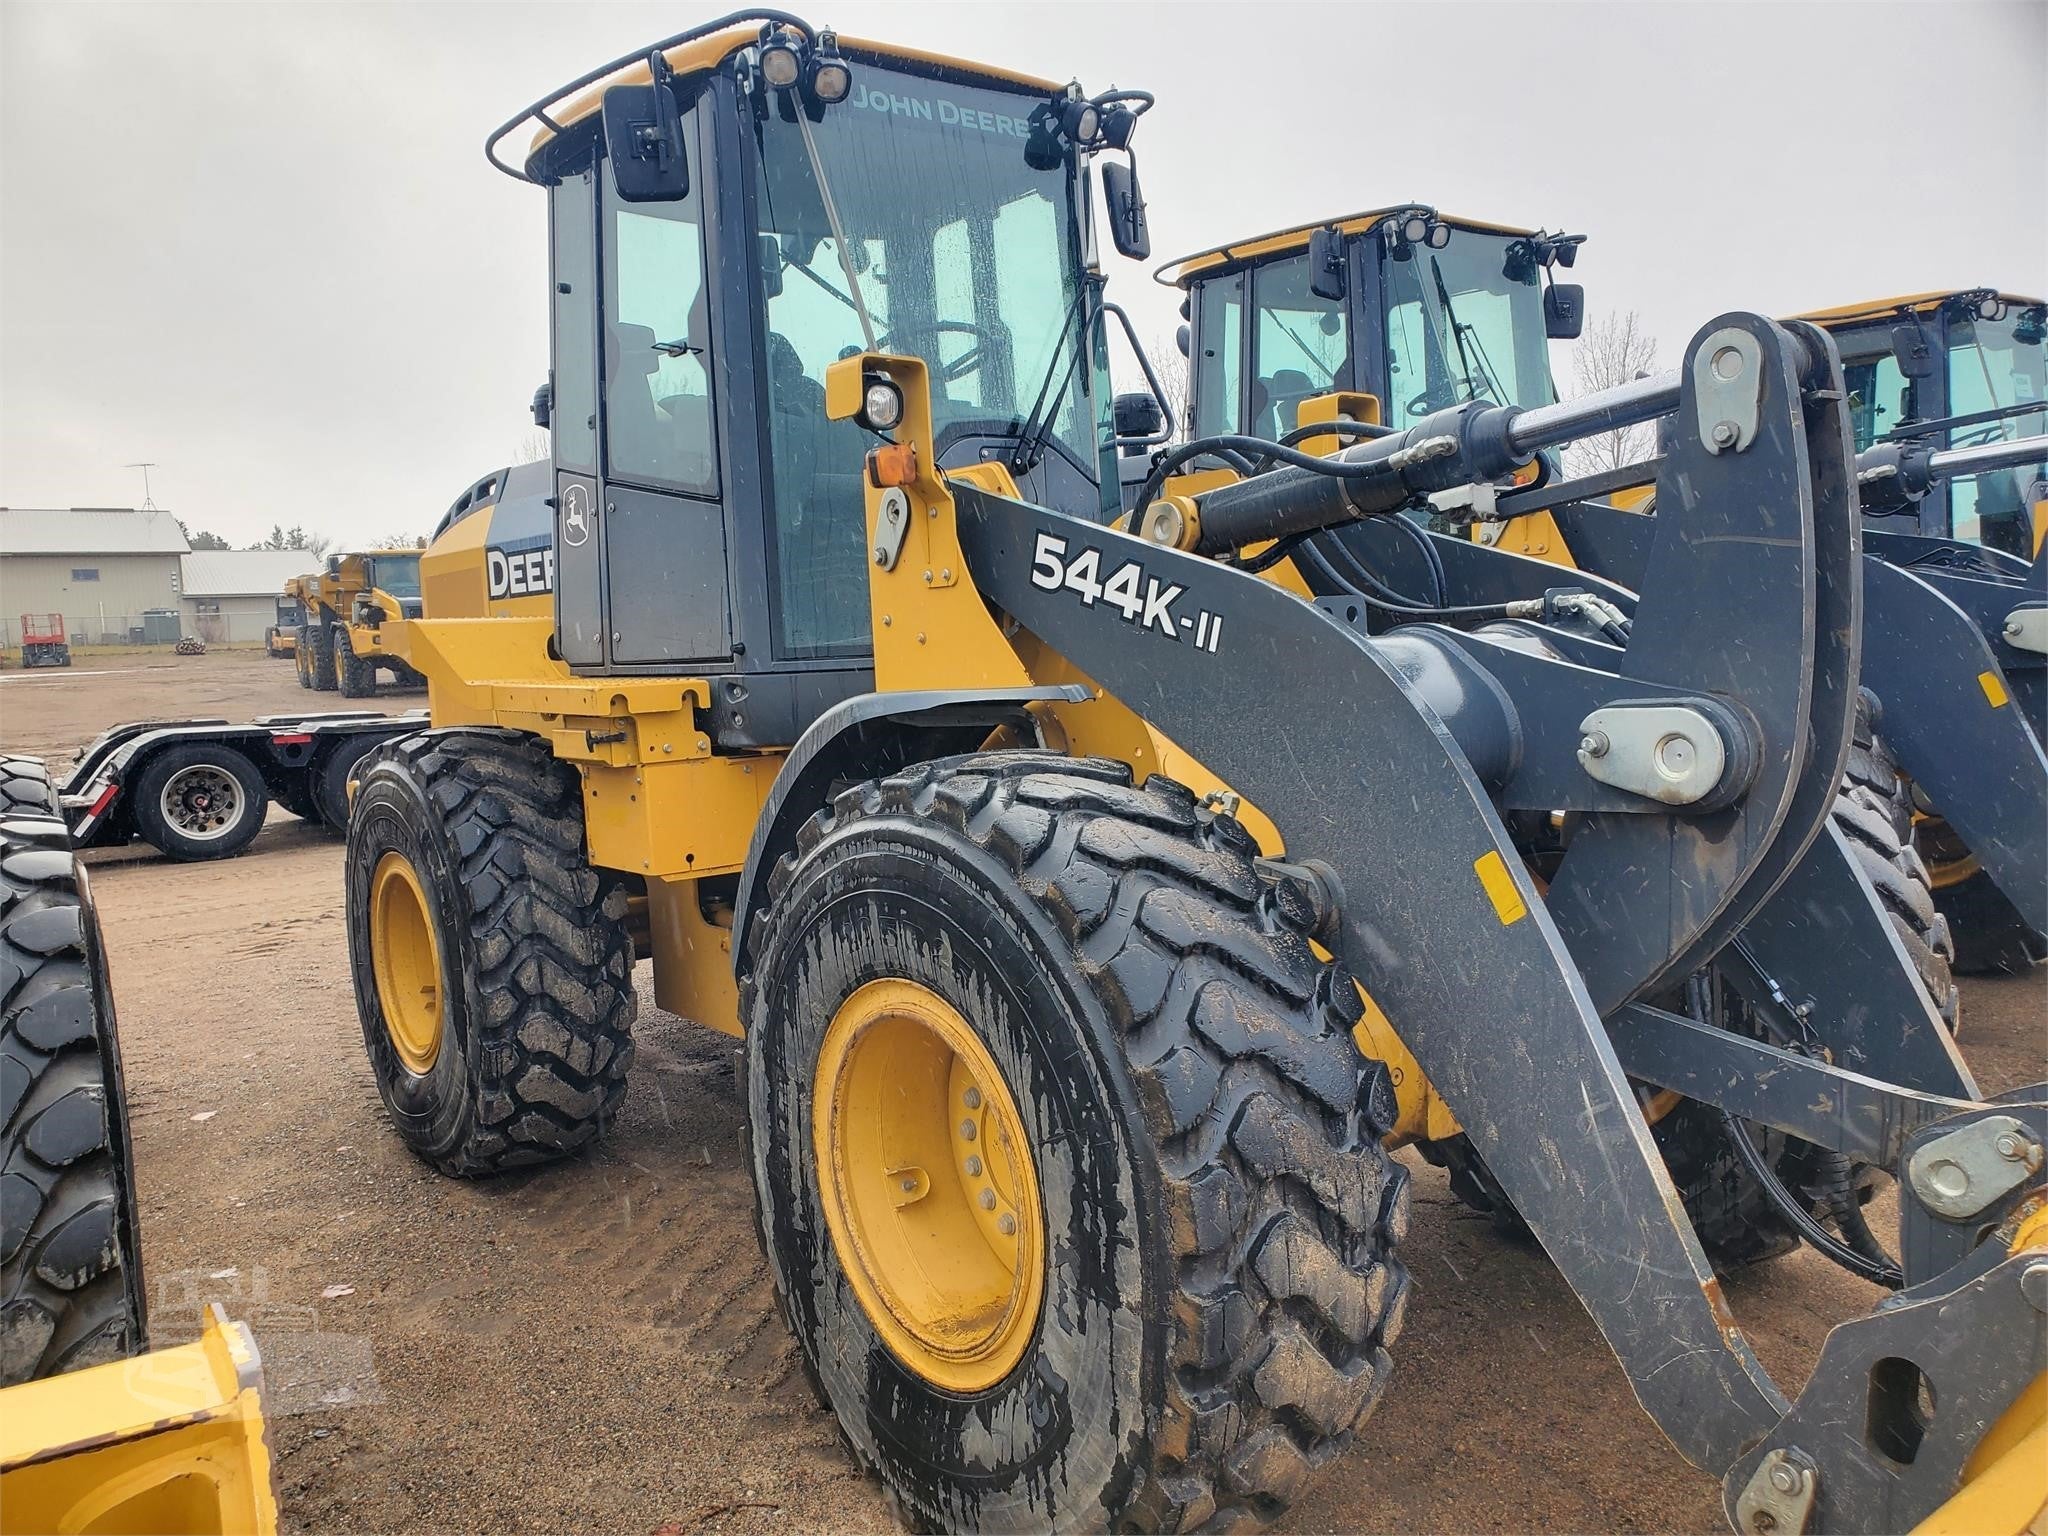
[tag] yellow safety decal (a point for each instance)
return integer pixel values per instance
(1994, 689)
(1493, 874)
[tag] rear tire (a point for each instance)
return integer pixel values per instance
(1218, 1210)
(1991, 938)
(199, 800)
(302, 657)
(70, 1261)
(356, 677)
(507, 1041)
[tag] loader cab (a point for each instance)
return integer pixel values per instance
(1962, 368)
(1419, 311)
(710, 518)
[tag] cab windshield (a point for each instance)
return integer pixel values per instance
(1460, 327)
(963, 254)
(1994, 363)
(397, 574)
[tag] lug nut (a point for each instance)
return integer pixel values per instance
(967, 1131)
(1006, 1224)
(974, 1165)
(988, 1199)
(972, 1098)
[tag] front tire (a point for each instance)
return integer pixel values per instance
(70, 1260)
(493, 972)
(1215, 1214)
(353, 675)
(200, 801)
(302, 656)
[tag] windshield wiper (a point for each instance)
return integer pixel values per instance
(1038, 425)
(1485, 374)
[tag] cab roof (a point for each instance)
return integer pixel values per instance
(1918, 303)
(700, 55)
(1180, 272)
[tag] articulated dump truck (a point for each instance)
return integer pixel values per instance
(1100, 899)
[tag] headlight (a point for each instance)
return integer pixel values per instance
(830, 77)
(881, 406)
(780, 65)
(1080, 121)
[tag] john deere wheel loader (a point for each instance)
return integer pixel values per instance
(95, 1434)
(1401, 305)
(1036, 867)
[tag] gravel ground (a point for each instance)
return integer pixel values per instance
(594, 1346)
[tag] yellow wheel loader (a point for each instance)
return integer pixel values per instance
(1097, 911)
(95, 1434)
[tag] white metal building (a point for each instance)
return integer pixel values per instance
(102, 568)
(231, 594)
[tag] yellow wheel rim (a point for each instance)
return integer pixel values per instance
(407, 962)
(928, 1185)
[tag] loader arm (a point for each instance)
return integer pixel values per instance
(1385, 762)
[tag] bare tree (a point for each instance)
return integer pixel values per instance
(399, 541)
(1614, 349)
(1171, 365)
(534, 446)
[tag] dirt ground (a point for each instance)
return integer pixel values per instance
(594, 1346)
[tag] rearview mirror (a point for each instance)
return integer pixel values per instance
(771, 266)
(1914, 354)
(1126, 203)
(643, 139)
(544, 405)
(1564, 311)
(1326, 264)
(1137, 415)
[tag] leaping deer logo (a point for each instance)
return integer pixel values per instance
(575, 516)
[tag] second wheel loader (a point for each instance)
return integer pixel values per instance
(1095, 913)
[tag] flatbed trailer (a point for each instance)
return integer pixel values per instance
(198, 789)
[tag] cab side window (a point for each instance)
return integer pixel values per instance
(1219, 369)
(657, 419)
(1300, 346)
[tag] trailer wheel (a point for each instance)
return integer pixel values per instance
(330, 779)
(1069, 1171)
(493, 971)
(70, 1263)
(320, 655)
(353, 675)
(199, 800)
(1991, 937)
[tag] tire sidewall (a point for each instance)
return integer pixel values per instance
(1065, 1432)
(432, 1111)
(148, 804)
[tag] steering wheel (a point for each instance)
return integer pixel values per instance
(967, 362)
(1462, 390)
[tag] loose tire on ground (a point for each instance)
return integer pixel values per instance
(1218, 1210)
(355, 676)
(70, 1263)
(320, 656)
(199, 800)
(1991, 938)
(495, 989)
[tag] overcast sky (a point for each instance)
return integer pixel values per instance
(259, 245)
